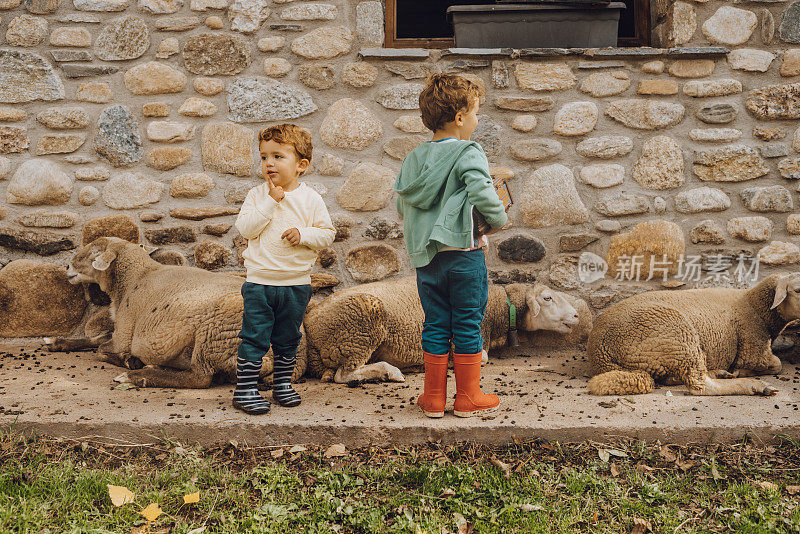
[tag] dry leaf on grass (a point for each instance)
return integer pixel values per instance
(152, 511)
(643, 468)
(502, 465)
(336, 451)
(191, 498)
(277, 453)
(614, 470)
(297, 448)
(464, 527)
(768, 486)
(640, 526)
(119, 495)
(792, 490)
(715, 471)
(667, 454)
(684, 465)
(531, 507)
(447, 492)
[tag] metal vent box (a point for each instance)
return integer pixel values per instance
(545, 25)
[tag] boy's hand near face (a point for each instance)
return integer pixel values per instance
(292, 235)
(275, 191)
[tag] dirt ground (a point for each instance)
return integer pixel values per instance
(543, 395)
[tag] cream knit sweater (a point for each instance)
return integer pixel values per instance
(273, 261)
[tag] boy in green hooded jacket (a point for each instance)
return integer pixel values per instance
(440, 183)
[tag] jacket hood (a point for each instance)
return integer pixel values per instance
(426, 169)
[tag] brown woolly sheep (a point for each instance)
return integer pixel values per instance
(181, 322)
(370, 332)
(704, 338)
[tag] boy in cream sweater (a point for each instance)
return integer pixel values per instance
(285, 223)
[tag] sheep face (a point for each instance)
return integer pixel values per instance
(548, 310)
(91, 263)
(82, 265)
(787, 296)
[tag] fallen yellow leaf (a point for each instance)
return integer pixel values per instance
(152, 511)
(191, 498)
(119, 495)
(792, 490)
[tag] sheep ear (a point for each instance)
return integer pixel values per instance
(780, 291)
(104, 260)
(533, 304)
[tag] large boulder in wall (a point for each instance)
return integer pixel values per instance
(36, 299)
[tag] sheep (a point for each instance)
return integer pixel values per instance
(372, 331)
(99, 326)
(180, 322)
(707, 339)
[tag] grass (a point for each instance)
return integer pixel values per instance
(61, 486)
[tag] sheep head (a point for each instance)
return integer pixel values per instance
(787, 296)
(92, 262)
(544, 308)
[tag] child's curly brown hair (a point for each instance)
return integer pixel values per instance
(444, 96)
(289, 134)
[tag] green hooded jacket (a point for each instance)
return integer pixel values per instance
(438, 184)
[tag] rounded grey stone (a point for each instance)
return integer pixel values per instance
(259, 99)
(118, 138)
(27, 77)
(717, 113)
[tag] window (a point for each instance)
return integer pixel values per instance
(423, 23)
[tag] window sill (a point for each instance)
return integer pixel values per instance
(688, 52)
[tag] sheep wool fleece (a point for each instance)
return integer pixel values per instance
(269, 258)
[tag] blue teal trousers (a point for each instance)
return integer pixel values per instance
(272, 315)
(454, 289)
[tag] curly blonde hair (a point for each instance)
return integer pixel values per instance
(289, 134)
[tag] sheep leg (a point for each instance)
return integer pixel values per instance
(731, 386)
(328, 375)
(773, 366)
(722, 374)
(107, 354)
(375, 372)
(621, 382)
(164, 377)
(63, 344)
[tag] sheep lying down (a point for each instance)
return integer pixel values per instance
(708, 339)
(181, 322)
(372, 331)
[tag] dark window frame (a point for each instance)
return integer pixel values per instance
(392, 41)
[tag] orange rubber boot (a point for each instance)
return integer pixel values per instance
(434, 396)
(470, 400)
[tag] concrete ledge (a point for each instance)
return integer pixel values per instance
(543, 396)
(688, 52)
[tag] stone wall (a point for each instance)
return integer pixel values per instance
(138, 118)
